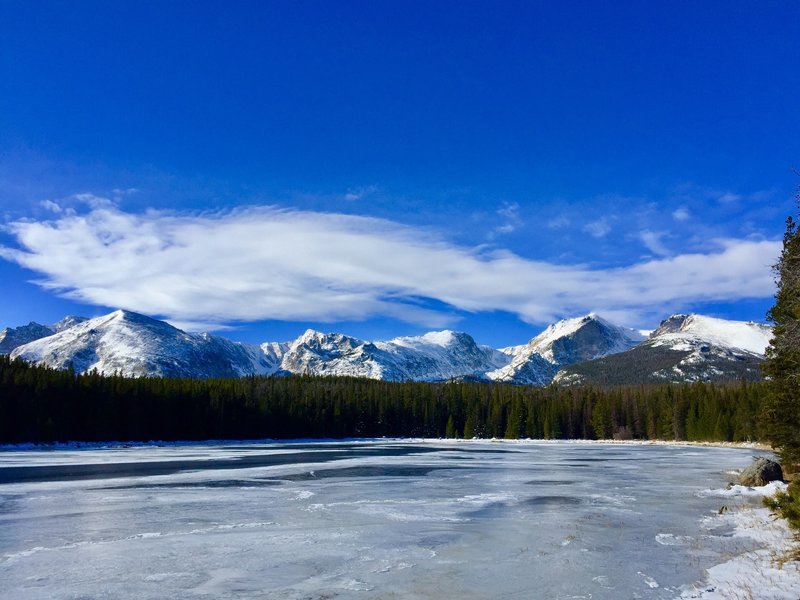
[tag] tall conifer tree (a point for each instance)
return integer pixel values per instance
(782, 366)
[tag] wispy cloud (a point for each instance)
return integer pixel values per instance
(728, 197)
(652, 241)
(691, 192)
(558, 222)
(681, 214)
(265, 262)
(356, 194)
(509, 212)
(124, 191)
(599, 228)
(51, 206)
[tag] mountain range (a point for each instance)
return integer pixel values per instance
(582, 350)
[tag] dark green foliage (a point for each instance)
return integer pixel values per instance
(42, 405)
(787, 503)
(782, 366)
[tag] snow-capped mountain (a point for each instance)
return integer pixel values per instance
(444, 355)
(586, 349)
(135, 345)
(10, 337)
(565, 343)
(682, 348)
(434, 356)
(690, 332)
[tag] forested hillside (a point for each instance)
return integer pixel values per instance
(43, 405)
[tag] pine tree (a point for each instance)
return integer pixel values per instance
(450, 429)
(781, 411)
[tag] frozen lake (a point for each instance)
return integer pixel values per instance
(384, 519)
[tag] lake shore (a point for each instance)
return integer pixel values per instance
(771, 571)
(77, 445)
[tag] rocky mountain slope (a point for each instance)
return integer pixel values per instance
(11, 337)
(682, 348)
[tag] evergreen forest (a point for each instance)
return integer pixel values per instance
(41, 405)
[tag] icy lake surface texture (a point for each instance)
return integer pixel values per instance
(365, 520)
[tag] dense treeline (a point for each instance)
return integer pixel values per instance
(42, 405)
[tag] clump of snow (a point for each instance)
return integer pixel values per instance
(770, 489)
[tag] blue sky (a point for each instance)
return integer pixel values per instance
(387, 168)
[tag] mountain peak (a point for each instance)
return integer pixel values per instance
(129, 315)
(671, 324)
(582, 338)
(67, 322)
(444, 338)
(744, 335)
(311, 334)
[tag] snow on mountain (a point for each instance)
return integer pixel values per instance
(583, 338)
(526, 367)
(713, 347)
(686, 331)
(12, 337)
(433, 356)
(564, 343)
(316, 353)
(682, 348)
(68, 322)
(444, 355)
(135, 345)
(579, 350)
(273, 353)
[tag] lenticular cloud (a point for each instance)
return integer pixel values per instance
(269, 263)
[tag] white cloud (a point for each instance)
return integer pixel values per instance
(355, 194)
(681, 214)
(599, 228)
(51, 206)
(509, 211)
(264, 262)
(507, 228)
(729, 198)
(558, 222)
(124, 191)
(93, 201)
(652, 240)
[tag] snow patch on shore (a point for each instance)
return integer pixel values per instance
(765, 573)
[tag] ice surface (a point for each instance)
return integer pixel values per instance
(383, 519)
